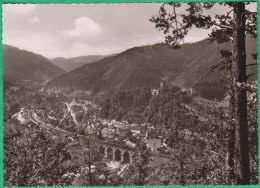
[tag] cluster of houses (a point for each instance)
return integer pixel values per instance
(123, 132)
(111, 129)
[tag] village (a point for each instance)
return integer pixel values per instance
(156, 138)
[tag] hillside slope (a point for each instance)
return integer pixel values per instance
(24, 65)
(147, 66)
(199, 67)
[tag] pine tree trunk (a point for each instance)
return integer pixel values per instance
(239, 70)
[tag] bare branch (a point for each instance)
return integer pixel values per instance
(212, 69)
(252, 64)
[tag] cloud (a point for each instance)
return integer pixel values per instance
(19, 8)
(52, 46)
(34, 20)
(40, 43)
(84, 27)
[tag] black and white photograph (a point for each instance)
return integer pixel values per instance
(130, 94)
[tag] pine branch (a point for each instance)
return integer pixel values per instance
(223, 26)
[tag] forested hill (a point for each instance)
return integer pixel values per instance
(140, 106)
(148, 65)
(68, 64)
(24, 65)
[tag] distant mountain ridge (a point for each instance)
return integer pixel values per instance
(68, 64)
(24, 65)
(147, 66)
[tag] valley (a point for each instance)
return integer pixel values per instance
(71, 115)
(93, 97)
(122, 112)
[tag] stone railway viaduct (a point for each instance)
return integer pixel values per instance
(110, 150)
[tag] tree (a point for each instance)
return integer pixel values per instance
(93, 166)
(139, 170)
(239, 70)
(225, 28)
(35, 158)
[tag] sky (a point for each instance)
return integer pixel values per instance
(72, 30)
